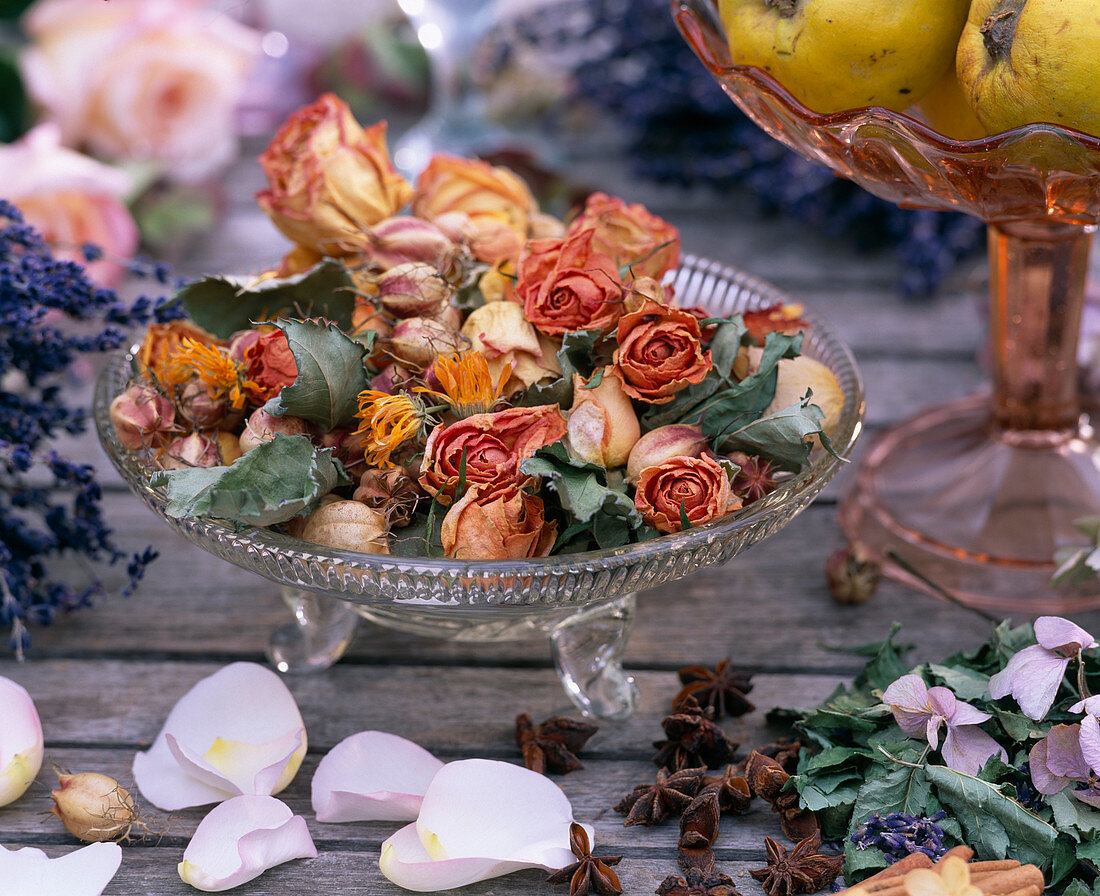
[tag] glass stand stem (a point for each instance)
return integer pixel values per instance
(588, 650)
(320, 633)
(1037, 290)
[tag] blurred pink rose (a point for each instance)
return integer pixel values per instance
(142, 80)
(71, 199)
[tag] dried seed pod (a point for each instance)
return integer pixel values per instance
(414, 289)
(417, 341)
(348, 525)
(261, 427)
(194, 450)
(662, 443)
(93, 807)
(852, 575)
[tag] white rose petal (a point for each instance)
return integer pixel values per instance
(372, 776)
(237, 731)
(480, 819)
(240, 839)
(83, 872)
(21, 747)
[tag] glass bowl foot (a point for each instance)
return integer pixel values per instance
(588, 648)
(977, 511)
(320, 633)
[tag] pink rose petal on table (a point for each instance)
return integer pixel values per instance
(21, 746)
(372, 776)
(242, 838)
(236, 731)
(83, 872)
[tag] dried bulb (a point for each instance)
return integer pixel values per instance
(93, 807)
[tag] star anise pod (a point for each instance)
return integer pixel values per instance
(722, 689)
(588, 874)
(732, 790)
(697, 883)
(652, 803)
(784, 750)
(698, 831)
(693, 740)
(799, 871)
(755, 479)
(767, 778)
(553, 745)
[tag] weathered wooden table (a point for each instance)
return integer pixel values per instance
(105, 679)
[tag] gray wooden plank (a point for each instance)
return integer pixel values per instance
(593, 791)
(460, 711)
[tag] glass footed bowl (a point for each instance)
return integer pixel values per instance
(980, 497)
(584, 602)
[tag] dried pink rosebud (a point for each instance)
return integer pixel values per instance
(418, 341)
(93, 807)
(141, 417)
(392, 379)
(200, 407)
(262, 427)
(194, 450)
(402, 239)
(241, 342)
(414, 289)
(456, 226)
(662, 443)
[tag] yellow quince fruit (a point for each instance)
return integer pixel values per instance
(846, 54)
(1025, 61)
(946, 108)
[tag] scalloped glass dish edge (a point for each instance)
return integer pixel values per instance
(584, 601)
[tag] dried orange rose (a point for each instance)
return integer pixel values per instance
(631, 235)
(493, 445)
(603, 427)
(496, 200)
(566, 285)
(697, 486)
(485, 524)
(660, 352)
(329, 179)
(269, 366)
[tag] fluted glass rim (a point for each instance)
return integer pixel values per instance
(701, 27)
(786, 500)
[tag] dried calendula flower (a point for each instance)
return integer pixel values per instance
(721, 688)
(653, 803)
(588, 874)
(93, 807)
(552, 745)
(801, 870)
(693, 740)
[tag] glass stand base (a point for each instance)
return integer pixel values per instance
(587, 644)
(977, 511)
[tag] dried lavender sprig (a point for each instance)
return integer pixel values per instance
(900, 834)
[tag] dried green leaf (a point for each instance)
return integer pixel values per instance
(270, 484)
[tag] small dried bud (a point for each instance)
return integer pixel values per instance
(392, 492)
(418, 341)
(347, 525)
(404, 238)
(852, 575)
(141, 417)
(755, 478)
(346, 446)
(392, 379)
(262, 427)
(414, 290)
(663, 443)
(637, 291)
(200, 407)
(456, 226)
(241, 342)
(194, 450)
(93, 807)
